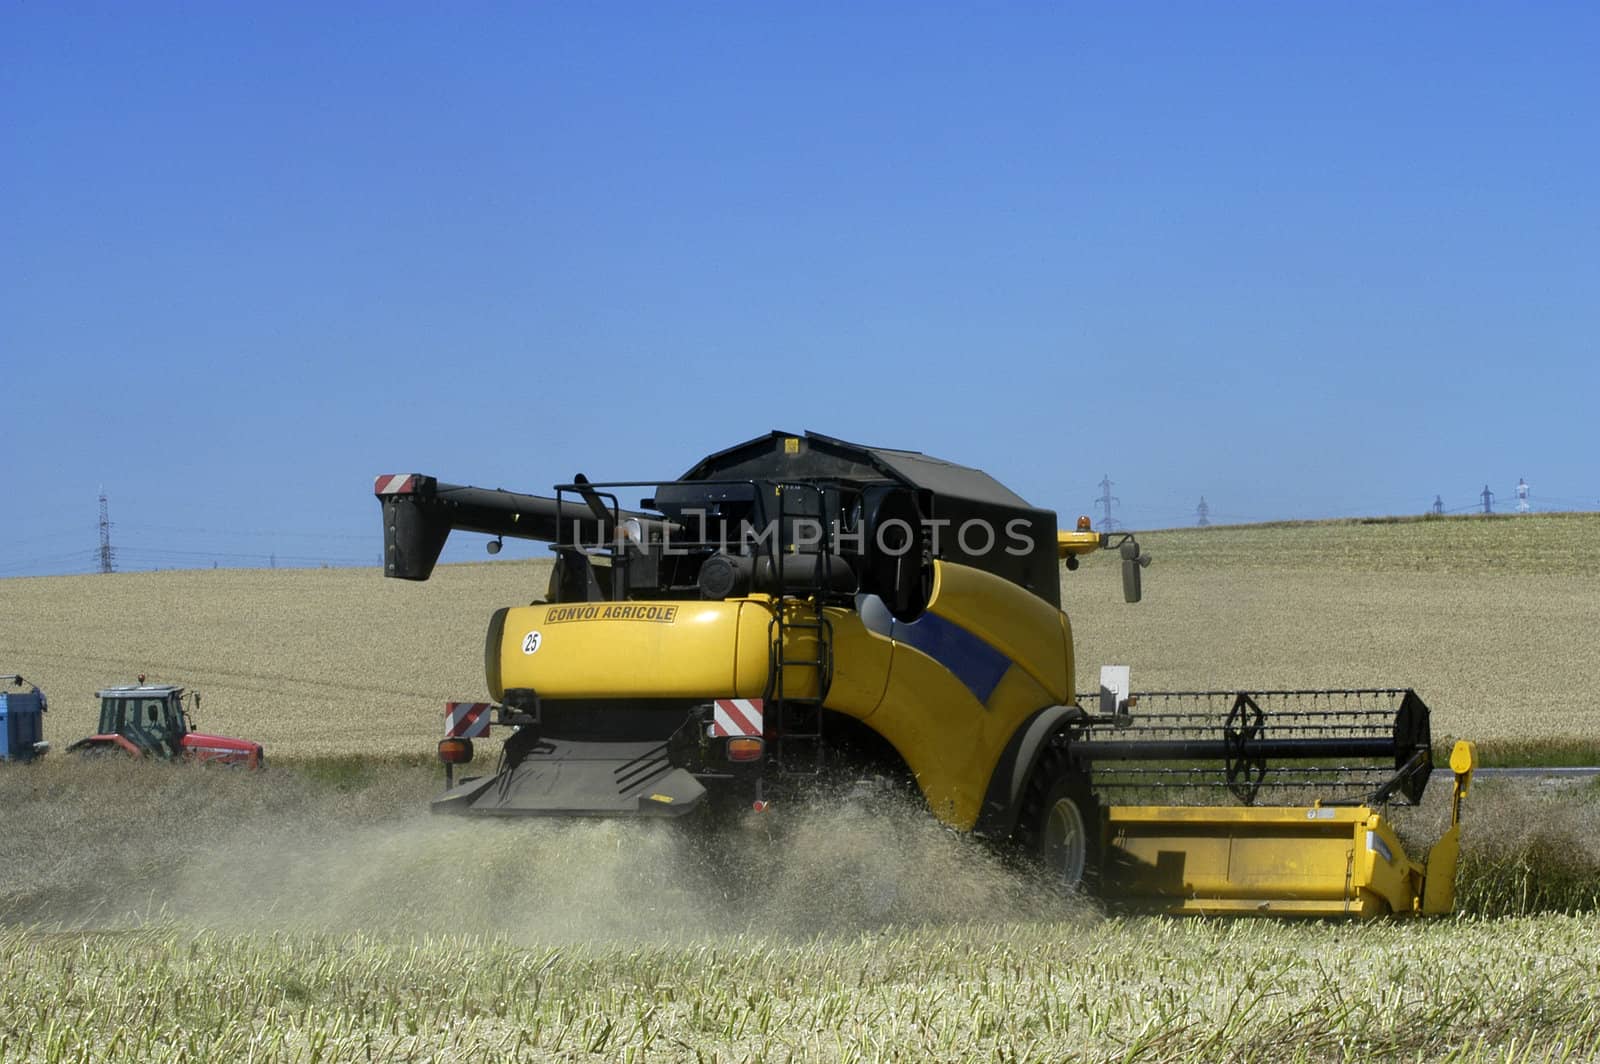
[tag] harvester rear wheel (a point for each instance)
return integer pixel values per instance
(1062, 830)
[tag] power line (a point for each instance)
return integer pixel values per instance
(62, 534)
(210, 555)
(232, 533)
(83, 558)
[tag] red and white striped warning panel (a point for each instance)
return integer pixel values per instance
(737, 716)
(466, 720)
(394, 484)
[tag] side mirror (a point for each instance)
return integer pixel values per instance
(1132, 562)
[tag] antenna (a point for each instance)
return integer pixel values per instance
(1202, 513)
(1105, 501)
(108, 556)
(1522, 497)
(1488, 499)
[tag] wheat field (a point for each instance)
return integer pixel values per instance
(1150, 991)
(1493, 620)
(179, 913)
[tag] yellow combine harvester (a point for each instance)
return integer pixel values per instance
(798, 606)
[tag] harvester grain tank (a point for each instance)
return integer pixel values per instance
(796, 605)
(21, 720)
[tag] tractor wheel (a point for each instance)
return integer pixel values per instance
(1061, 829)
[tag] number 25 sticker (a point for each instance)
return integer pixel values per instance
(530, 643)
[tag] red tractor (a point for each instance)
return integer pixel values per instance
(149, 720)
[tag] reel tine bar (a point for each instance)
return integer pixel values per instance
(1341, 745)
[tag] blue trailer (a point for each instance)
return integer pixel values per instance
(21, 721)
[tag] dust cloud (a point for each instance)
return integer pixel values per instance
(118, 845)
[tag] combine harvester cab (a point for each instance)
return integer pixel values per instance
(798, 606)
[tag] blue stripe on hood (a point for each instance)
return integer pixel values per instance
(974, 662)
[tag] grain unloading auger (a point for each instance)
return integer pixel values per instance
(796, 606)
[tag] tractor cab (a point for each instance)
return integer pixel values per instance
(152, 720)
(151, 717)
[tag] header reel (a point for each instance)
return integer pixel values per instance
(1337, 747)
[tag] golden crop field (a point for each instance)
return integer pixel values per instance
(1493, 620)
(178, 913)
(1112, 991)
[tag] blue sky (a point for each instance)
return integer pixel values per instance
(1303, 260)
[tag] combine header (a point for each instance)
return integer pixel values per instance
(798, 606)
(1330, 760)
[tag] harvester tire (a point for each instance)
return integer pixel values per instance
(1061, 831)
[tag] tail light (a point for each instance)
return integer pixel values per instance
(745, 749)
(455, 751)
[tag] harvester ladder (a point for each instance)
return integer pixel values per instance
(797, 744)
